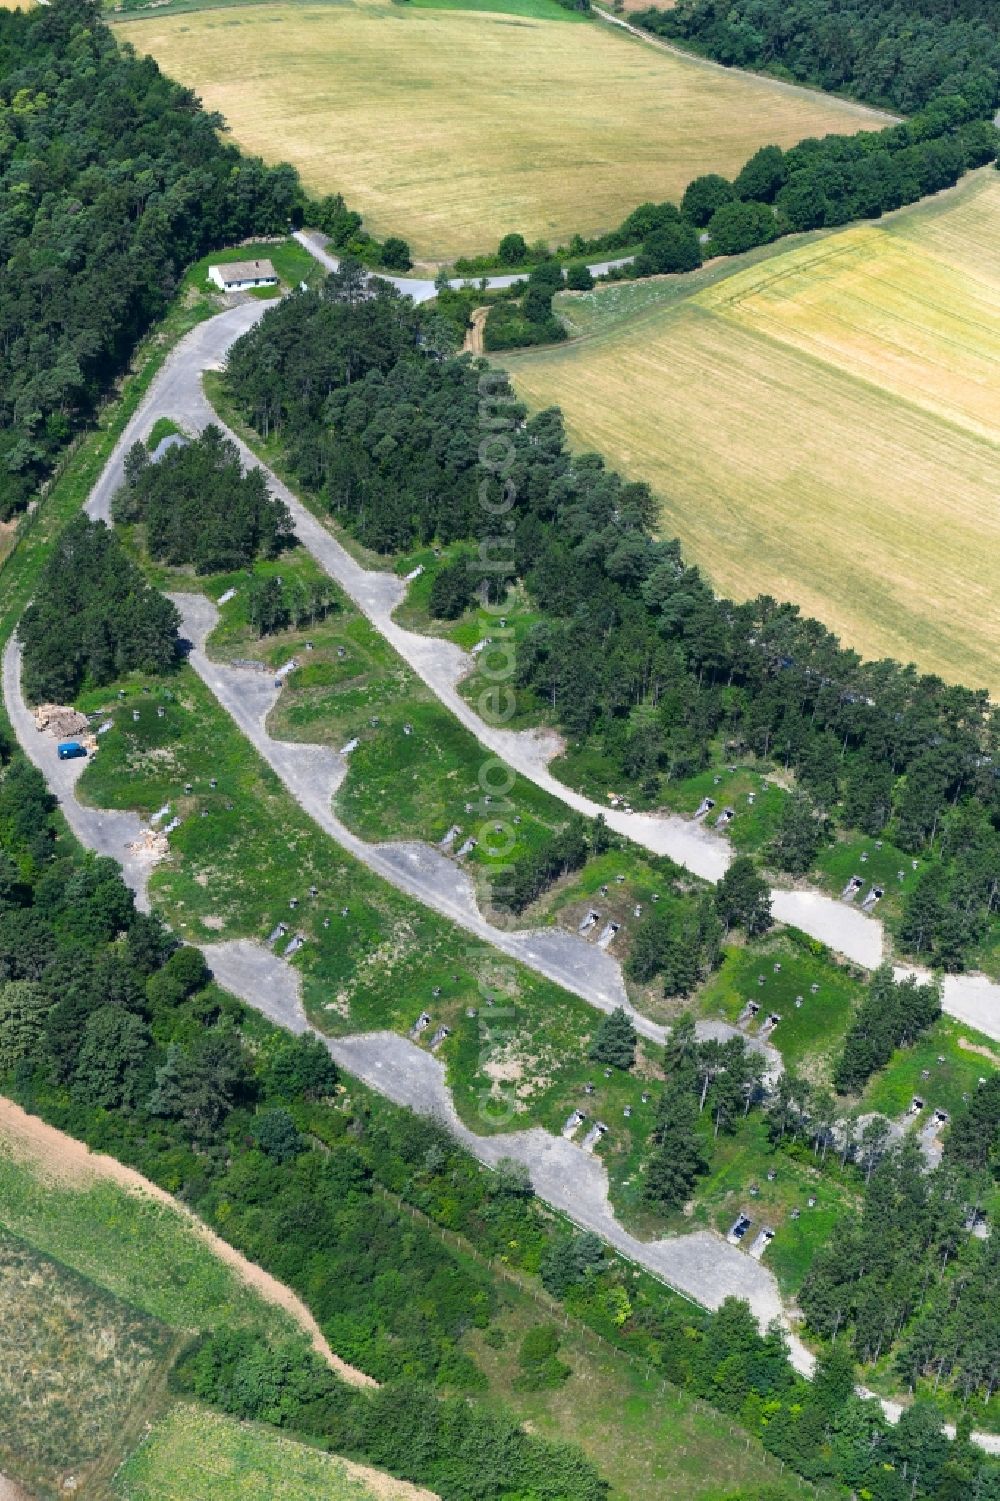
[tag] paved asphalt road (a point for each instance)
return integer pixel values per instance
(701, 1265)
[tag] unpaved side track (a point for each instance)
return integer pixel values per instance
(63, 1158)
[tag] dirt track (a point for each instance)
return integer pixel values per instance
(474, 334)
(11, 1492)
(65, 1160)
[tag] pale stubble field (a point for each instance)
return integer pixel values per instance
(823, 425)
(452, 126)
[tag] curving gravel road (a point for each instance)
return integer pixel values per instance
(419, 288)
(313, 773)
(107, 832)
(177, 393)
(702, 1266)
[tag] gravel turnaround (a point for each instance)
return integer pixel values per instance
(107, 832)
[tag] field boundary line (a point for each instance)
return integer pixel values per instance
(801, 90)
(27, 1134)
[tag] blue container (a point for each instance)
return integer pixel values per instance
(70, 749)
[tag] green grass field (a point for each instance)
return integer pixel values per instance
(650, 1440)
(205, 1456)
(400, 785)
(952, 1056)
(452, 124)
(808, 1036)
(232, 873)
(741, 1164)
(821, 424)
(132, 1247)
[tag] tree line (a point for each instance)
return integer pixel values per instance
(823, 182)
(900, 54)
(893, 1014)
(113, 179)
(632, 655)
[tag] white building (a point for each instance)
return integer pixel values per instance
(240, 276)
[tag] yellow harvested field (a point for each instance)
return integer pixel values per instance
(823, 426)
(451, 127)
(877, 306)
(961, 228)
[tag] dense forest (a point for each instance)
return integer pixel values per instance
(112, 180)
(896, 53)
(197, 506)
(93, 617)
(113, 1032)
(632, 655)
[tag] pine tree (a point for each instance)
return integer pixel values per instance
(742, 898)
(615, 1040)
(674, 1167)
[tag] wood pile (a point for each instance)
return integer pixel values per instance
(64, 722)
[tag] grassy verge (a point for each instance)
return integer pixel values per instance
(809, 1035)
(649, 1438)
(191, 1448)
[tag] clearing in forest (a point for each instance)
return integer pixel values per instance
(821, 424)
(453, 126)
